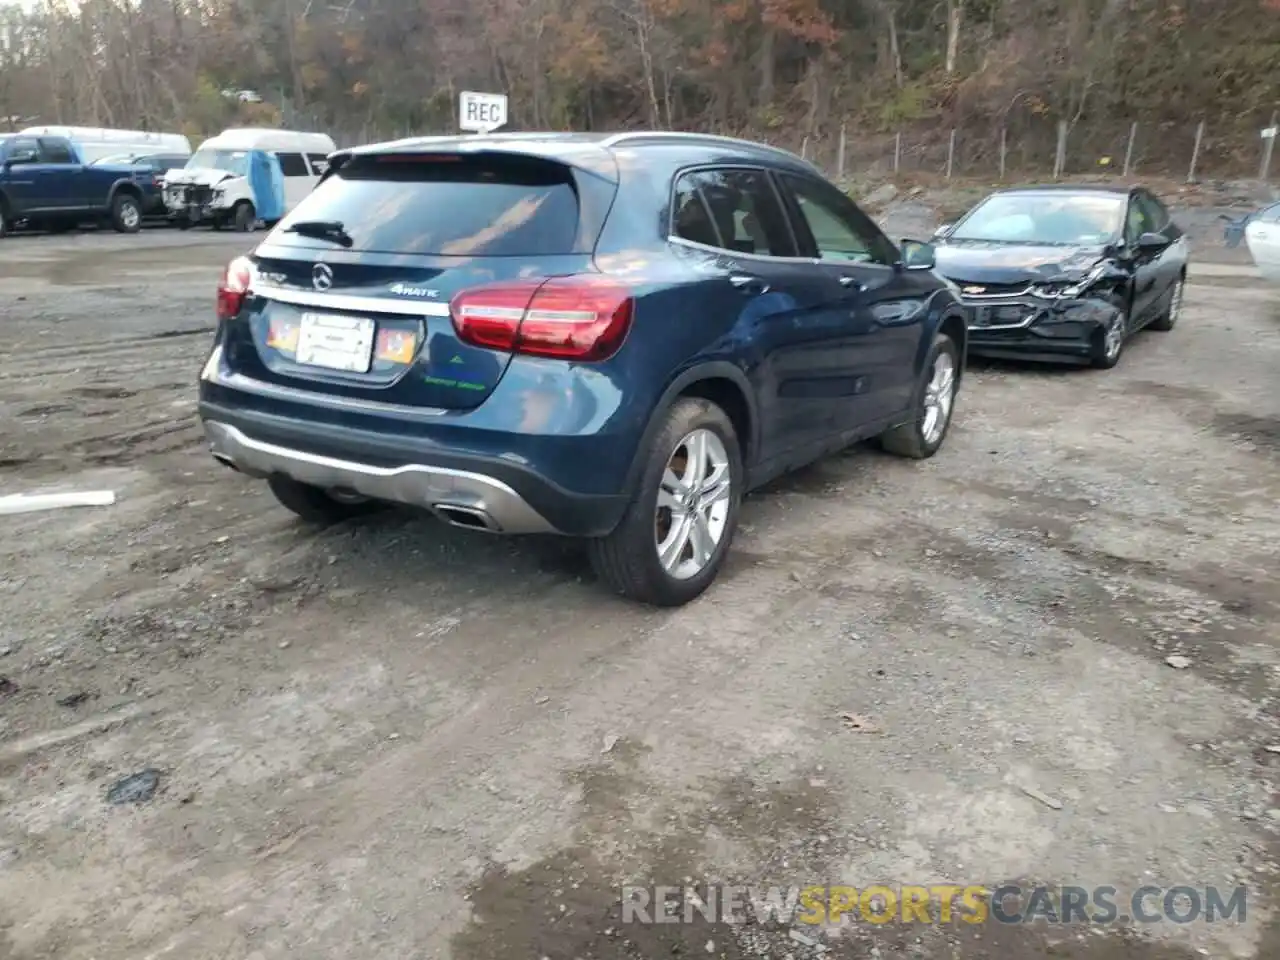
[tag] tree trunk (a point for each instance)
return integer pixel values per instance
(767, 64)
(895, 54)
(955, 18)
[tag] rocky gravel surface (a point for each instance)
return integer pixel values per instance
(1047, 655)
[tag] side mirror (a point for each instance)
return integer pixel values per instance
(1152, 243)
(918, 255)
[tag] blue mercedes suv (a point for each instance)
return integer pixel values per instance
(611, 337)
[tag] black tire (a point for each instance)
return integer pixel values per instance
(126, 213)
(627, 559)
(908, 439)
(1099, 358)
(1169, 319)
(315, 506)
(244, 216)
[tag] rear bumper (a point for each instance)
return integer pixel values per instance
(500, 497)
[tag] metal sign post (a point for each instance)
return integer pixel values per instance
(1268, 145)
(481, 112)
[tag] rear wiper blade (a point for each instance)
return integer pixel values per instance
(322, 230)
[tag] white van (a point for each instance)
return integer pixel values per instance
(214, 186)
(94, 143)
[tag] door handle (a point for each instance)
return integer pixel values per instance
(748, 284)
(852, 283)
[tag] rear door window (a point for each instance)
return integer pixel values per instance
(56, 151)
(444, 205)
(731, 209)
(292, 165)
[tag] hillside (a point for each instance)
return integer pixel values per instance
(898, 75)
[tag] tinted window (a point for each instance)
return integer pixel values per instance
(840, 230)
(169, 163)
(445, 205)
(735, 210)
(24, 147)
(292, 165)
(319, 163)
(56, 151)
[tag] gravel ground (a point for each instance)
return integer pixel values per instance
(392, 739)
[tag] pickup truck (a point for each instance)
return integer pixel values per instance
(44, 182)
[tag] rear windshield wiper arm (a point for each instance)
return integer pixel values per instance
(322, 230)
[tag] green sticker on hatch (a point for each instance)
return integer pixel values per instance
(456, 384)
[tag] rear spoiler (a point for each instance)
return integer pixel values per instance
(588, 158)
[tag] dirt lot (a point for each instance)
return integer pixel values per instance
(395, 740)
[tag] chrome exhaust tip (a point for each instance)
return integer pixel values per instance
(467, 517)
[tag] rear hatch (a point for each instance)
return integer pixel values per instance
(351, 291)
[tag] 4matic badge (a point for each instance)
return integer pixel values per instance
(404, 290)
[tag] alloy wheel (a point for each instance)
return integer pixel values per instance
(939, 396)
(693, 504)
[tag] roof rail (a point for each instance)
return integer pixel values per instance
(620, 138)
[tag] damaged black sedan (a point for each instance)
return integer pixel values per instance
(1065, 273)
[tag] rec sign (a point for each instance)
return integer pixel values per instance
(481, 112)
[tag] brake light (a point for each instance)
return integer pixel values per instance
(234, 287)
(574, 318)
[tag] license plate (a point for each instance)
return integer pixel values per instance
(339, 343)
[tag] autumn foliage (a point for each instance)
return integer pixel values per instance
(365, 69)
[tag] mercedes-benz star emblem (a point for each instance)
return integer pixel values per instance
(322, 276)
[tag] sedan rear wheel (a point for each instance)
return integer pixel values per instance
(1170, 317)
(676, 531)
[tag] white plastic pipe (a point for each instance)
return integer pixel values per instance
(31, 502)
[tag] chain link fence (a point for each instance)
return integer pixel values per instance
(1010, 148)
(1043, 149)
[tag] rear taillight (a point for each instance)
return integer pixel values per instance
(234, 287)
(573, 318)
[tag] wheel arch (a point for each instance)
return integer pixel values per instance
(948, 316)
(127, 187)
(953, 325)
(725, 385)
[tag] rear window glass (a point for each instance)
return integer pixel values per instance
(445, 206)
